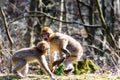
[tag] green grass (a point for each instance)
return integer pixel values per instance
(70, 77)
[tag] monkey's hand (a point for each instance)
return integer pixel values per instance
(68, 55)
(67, 52)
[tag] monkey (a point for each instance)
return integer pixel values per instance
(70, 49)
(24, 56)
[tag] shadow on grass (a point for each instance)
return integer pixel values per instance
(28, 77)
(9, 77)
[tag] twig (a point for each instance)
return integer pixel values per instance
(109, 36)
(88, 6)
(8, 34)
(54, 18)
(6, 26)
(79, 10)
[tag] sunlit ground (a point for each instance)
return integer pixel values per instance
(70, 77)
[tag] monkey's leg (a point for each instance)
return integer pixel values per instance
(68, 65)
(51, 60)
(69, 69)
(18, 67)
(58, 62)
(44, 64)
(25, 70)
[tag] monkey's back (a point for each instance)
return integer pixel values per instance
(28, 54)
(73, 45)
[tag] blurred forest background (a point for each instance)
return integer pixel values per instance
(94, 23)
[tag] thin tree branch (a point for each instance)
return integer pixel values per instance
(6, 26)
(79, 9)
(101, 15)
(61, 15)
(8, 35)
(109, 35)
(54, 18)
(88, 6)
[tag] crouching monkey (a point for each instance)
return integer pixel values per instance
(66, 45)
(23, 57)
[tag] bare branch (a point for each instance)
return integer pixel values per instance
(109, 35)
(54, 18)
(88, 6)
(6, 26)
(79, 9)
(8, 34)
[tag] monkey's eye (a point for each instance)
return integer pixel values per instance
(45, 36)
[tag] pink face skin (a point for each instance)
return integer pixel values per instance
(45, 36)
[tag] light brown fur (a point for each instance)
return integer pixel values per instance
(64, 44)
(23, 57)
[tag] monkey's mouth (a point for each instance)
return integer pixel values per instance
(46, 39)
(45, 36)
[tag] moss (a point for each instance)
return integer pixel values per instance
(60, 69)
(84, 66)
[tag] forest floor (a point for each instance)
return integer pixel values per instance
(70, 77)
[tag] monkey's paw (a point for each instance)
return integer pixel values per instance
(20, 75)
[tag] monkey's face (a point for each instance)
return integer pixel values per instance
(45, 36)
(43, 46)
(46, 33)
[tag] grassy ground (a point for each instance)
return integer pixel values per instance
(70, 77)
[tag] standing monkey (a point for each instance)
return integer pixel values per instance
(66, 45)
(23, 57)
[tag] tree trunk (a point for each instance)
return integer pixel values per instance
(28, 37)
(61, 14)
(112, 17)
